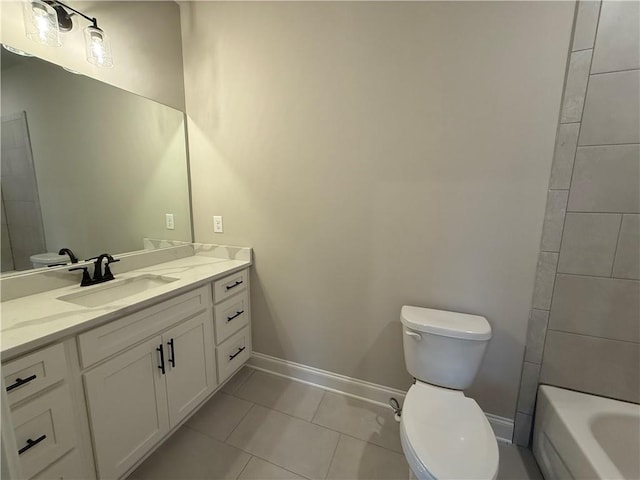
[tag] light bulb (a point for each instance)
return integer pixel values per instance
(41, 23)
(98, 47)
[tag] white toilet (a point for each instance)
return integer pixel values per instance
(42, 260)
(444, 434)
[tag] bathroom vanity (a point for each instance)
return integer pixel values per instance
(94, 379)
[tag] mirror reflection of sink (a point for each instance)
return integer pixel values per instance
(116, 290)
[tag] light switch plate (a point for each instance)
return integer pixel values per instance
(217, 224)
(168, 219)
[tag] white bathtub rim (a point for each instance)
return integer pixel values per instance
(575, 411)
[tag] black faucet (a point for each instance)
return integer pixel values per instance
(86, 278)
(67, 251)
(98, 275)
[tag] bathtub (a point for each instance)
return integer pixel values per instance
(584, 436)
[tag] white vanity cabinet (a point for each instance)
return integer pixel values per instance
(43, 404)
(137, 396)
(232, 319)
(96, 403)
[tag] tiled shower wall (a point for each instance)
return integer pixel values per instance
(584, 326)
(22, 222)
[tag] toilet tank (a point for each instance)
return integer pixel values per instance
(443, 348)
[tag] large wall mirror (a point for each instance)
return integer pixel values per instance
(85, 166)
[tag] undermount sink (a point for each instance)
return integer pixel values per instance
(116, 290)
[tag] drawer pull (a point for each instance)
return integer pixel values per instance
(161, 366)
(20, 381)
(31, 443)
(231, 357)
(172, 358)
(237, 314)
(237, 282)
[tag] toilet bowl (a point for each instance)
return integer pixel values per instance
(41, 260)
(445, 435)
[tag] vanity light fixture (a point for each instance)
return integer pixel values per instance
(45, 19)
(15, 50)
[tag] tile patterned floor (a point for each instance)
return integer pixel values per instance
(265, 427)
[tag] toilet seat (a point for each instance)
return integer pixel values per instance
(445, 435)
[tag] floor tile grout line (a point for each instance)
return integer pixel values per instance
(311, 423)
(288, 381)
(244, 467)
(272, 463)
(333, 456)
(238, 424)
(275, 409)
(245, 380)
(324, 394)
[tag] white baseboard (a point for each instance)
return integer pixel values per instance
(328, 380)
(502, 427)
(367, 391)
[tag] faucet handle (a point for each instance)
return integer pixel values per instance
(86, 278)
(107, 271)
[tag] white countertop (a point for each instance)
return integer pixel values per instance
(30, 322)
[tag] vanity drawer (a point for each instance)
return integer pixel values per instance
(104, 341)
(34, 372)
(233, 353)
(230, 285)
(69, 467)
(231, 315)
(44, 430)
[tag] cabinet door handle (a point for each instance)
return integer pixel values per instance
(237, 282)
(231, 357)
(172, 358)
(20, 381)
(161, 366)
(31, 443)
(237, 314)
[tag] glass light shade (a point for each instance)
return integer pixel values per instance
(41, 23)
(15, 50)
(98, 47)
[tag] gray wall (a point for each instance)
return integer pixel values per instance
(587, 293)
(376, 154)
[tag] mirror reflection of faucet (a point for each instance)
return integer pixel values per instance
(98, 275)
(67, 251)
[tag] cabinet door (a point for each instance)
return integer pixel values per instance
(190, 364)
(127, 401)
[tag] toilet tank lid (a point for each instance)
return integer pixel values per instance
(448, 324)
